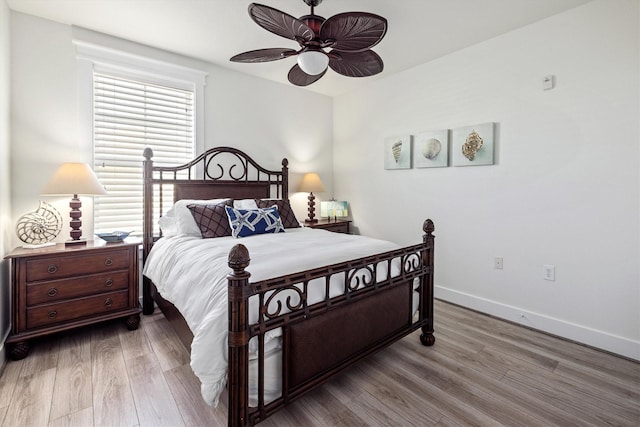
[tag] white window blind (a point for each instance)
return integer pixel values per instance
(129, 116)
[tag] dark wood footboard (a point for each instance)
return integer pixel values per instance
(324, 338)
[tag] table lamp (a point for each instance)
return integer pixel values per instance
(74, 178)
(310, 183)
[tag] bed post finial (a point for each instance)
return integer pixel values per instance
(147, 153)
(428, 227)
(239, 258)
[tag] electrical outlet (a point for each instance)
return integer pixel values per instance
(549, 272)
(497, 263)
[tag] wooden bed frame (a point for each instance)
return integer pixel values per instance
(317, 341)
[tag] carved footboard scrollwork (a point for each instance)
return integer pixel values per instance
(325, 331)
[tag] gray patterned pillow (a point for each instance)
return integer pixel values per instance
(287, 216)
(212, 219)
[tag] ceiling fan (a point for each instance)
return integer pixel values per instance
(349, 35)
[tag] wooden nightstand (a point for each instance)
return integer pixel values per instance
(55, 289)
(335, 225)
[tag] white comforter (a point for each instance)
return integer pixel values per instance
(191, 273)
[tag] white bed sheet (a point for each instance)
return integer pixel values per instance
(191, 273)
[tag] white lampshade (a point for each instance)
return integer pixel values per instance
(310, 183)
(313, 62)
(74, 178)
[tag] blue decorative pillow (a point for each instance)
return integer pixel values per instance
(247, 222)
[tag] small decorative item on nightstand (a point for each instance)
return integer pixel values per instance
(310, 183)
(334, 209)
(37, 229)
(114, 237)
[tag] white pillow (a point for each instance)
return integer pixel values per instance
(247, 204)
(179, 220)
(168, 225)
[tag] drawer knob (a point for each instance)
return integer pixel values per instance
(108, 302)
(52, 269)
(53, 314)
(108, 282)
(52, 292)
(108, 262)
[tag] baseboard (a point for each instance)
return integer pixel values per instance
(584, 335)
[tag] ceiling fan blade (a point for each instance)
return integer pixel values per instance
(356, 64)
(263, 55)
(280, 23)
(353, 31)
(300, 78)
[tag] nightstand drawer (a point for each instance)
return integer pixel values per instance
(72, 265)
(50, 314)
(55, 290)
(337, 228)
(333, 225)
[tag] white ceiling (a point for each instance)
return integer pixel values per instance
(214, 30)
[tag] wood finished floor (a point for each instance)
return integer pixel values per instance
(481, 371)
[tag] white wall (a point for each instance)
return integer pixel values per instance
(264, 118)
(564, 189)
(6, 223)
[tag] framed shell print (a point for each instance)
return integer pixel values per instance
(397, 152)
(473, 145)
(431, 149)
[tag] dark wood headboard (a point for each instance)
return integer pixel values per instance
(219, 172)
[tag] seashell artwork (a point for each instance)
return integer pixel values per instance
(396, 149)
(397, 152)
(472, 145)
(39, 227)
(431, 148)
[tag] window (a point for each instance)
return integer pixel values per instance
(128, 116)
(130, 97)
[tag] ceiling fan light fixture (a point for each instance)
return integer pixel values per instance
(348, 36)
(313, 62)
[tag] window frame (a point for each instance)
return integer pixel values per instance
(92, 57)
